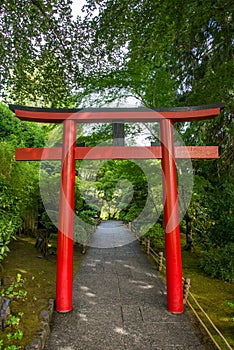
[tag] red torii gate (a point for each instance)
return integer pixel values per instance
(69, 153)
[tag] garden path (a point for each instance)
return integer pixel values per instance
(119, 301)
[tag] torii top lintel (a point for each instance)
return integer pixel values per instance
(107, 115)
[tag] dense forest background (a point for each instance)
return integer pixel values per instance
(163, 54)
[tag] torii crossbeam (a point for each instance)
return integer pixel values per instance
(69, 153)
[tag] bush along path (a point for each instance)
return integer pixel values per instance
(11, 323)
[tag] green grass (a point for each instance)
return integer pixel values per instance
(40, 274)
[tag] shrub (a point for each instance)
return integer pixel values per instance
(131, 214)
(156, 235)
(219, 263)
(49, 220)
(7, 231)
(10, 218)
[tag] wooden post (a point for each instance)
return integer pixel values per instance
(148, 246)
(160, 261)
(186, 287)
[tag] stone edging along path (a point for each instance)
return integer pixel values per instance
(38, 343)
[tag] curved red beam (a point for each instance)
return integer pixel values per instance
(107, 115)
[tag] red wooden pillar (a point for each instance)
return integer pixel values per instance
(171, 220)
(66, 220)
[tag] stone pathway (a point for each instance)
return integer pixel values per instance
(119, 302)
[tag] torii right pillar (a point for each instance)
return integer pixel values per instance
(171, 219)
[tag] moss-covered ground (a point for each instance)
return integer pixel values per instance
(215, 296)
(40, 275)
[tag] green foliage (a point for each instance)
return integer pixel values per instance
(10, 219)
(91, 211)
(18, 335)
(19, 133)
(46, 80)
(156, 235)
(14, 320)
(19, 188)
(37, 51)
(49, 220)
(9, 347)
(131, 214)
(98, 134)
(217, 132)
(123, 187)
(210, 212)
(221, 207)
(84, 230)
(15, 290)
(13, 333)
(7, 231)
(165, 53)
(179, 55)
(50, 187)
(211, 208)
(219, 262)
(87, 217)
(85, 222)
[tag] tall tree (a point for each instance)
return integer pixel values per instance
(40, 50)
(165, 53)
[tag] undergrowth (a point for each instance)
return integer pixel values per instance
(37, 276)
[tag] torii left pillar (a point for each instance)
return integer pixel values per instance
(171, 219)
(66, 220)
